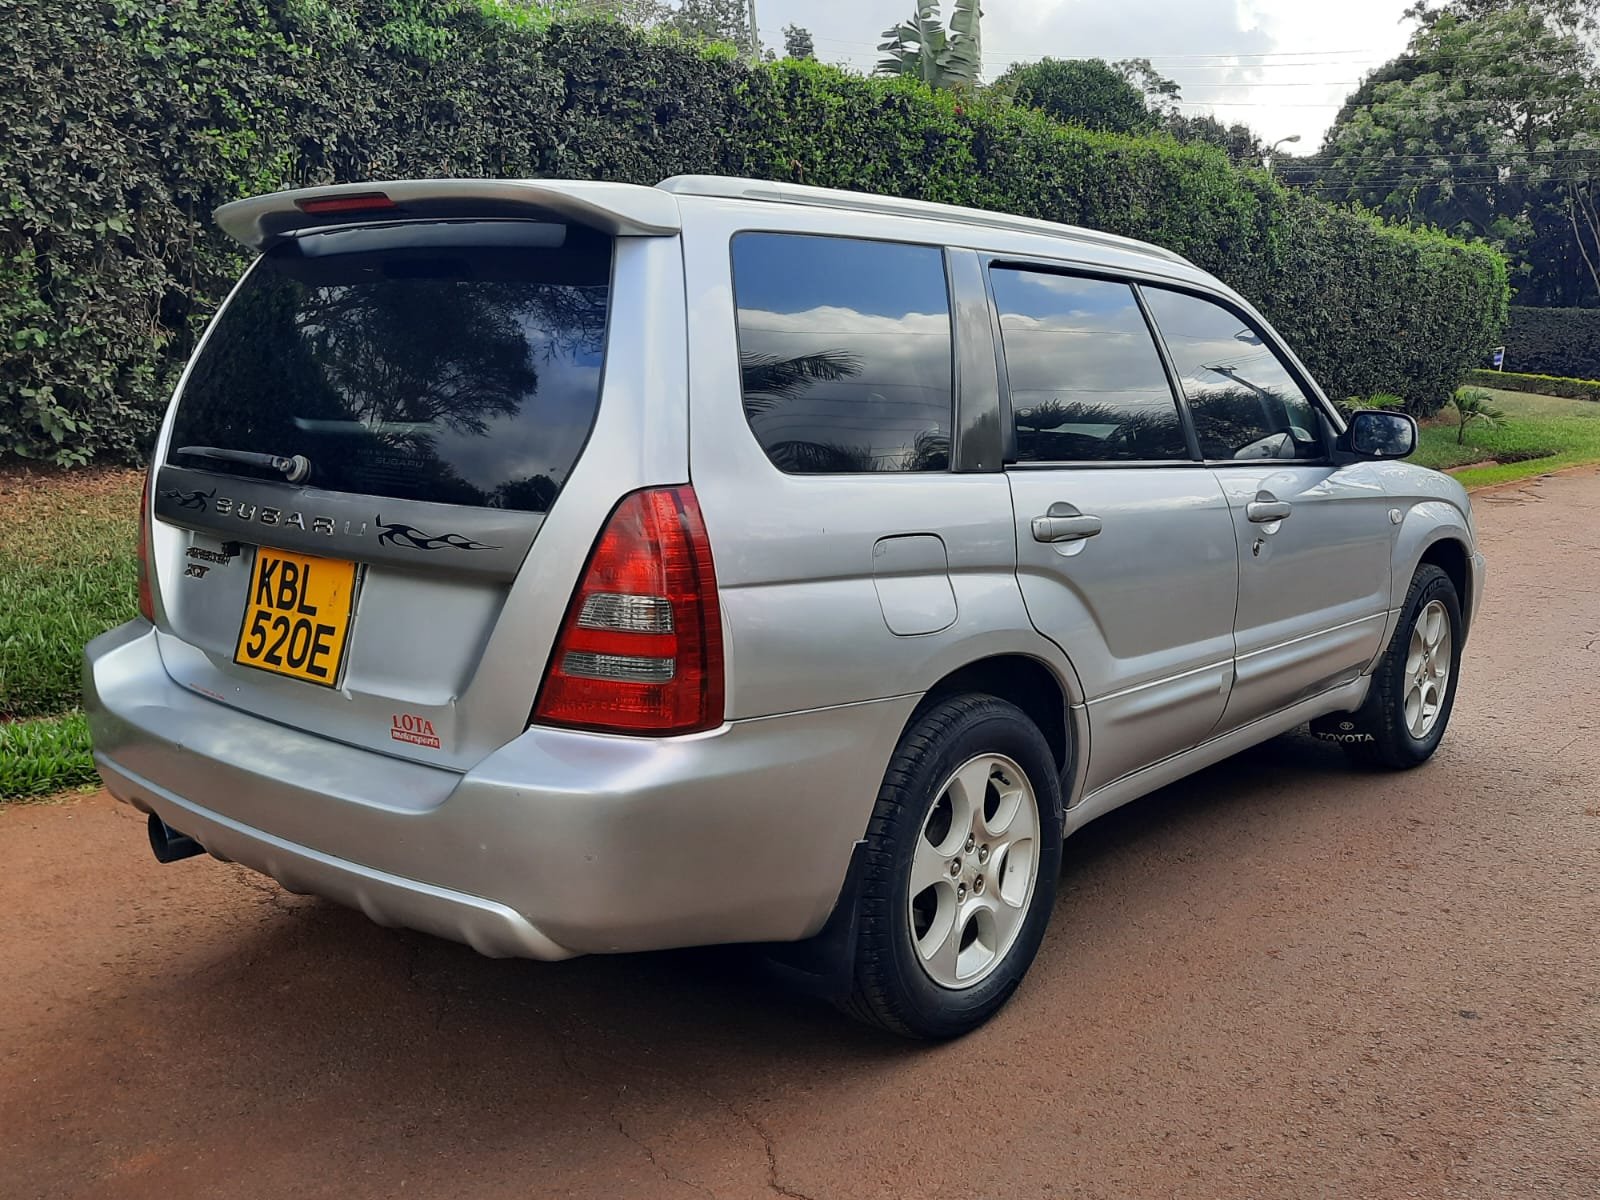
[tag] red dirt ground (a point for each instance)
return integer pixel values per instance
(1283, 978)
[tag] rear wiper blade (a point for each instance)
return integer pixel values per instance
(295, 470)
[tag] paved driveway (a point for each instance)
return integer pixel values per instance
(1283, 978)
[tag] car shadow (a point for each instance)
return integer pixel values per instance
(1310, 770)
(309, 1027)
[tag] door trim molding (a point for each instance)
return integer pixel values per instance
(1223, 664)
(1377, 615)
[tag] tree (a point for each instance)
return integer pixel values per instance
(1474, 405)
(797, 42)
(1487, 125)
(1087, 92)
(1241, 143)
(1125, 97)
(718, 21)
(638, 13)
(1161, 95)
(922, 48)
(1569, 16)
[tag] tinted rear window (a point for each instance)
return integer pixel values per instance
(451, 363)
(1086, 380)
(844, 352)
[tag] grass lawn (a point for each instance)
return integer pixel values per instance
(1555, 433)
(44, 756)
(68, 545)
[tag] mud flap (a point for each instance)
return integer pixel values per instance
(1344, 729)
(823, 965)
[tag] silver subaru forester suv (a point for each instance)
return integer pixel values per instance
(573, 568)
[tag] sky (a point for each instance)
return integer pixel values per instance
(1282, 67)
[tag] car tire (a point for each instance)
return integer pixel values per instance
(1414, 687)
(969, 813)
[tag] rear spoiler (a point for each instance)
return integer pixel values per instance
(620, 209)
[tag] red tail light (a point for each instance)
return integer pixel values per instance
(147, 601)
(640, 650)
(359, 202)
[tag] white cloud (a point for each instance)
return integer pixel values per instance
(899, 389)
(1281, 66)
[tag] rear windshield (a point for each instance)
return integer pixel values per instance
(454, 363)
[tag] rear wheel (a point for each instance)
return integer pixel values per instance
(1414, 687)
(959, 869)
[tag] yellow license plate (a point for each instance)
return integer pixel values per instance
(297, 615)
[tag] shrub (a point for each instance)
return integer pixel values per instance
(1081, 91)
(1544, 385)
(128, 121)
(1555, 341)
(1471, 405)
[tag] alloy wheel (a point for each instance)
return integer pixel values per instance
(1427, 676)
(974, 871)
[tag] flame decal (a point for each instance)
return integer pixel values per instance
(189, 500)
(396, 533)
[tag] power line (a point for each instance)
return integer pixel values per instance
(1443, 105)
(1269, 83)
(1483, 79)
(1350, 184)
(1581, 153)
(1154, 58)
(1224, 60)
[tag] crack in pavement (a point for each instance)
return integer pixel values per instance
(772, 1158)
(564, 1051)
(654, 1162)
(563, 1044)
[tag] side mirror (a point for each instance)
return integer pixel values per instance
(1379, 433)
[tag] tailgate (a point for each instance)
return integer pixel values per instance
(368, 443)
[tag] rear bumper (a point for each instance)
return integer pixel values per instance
(559, 843)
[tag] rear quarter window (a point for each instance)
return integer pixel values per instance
(845, 354)
(458, 363)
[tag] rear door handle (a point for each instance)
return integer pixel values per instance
(1267, 508)
(1064, 523)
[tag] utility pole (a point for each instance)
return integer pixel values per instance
(755, 34)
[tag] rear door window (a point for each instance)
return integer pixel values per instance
(1086, 381)
(1246, 403)
(455, 363)
(845, 352)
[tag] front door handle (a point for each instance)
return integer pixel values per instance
(1062, 522)
(1267, 508)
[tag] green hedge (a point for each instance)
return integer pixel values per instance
(1543, 385)
(1555, 341)
(128, 121)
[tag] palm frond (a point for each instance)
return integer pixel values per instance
(768, 380)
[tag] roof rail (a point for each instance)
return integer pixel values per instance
(732, 188)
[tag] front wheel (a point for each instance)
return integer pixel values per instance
(1414, 687)
(959, 869)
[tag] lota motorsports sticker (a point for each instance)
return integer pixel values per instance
(418, 731)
